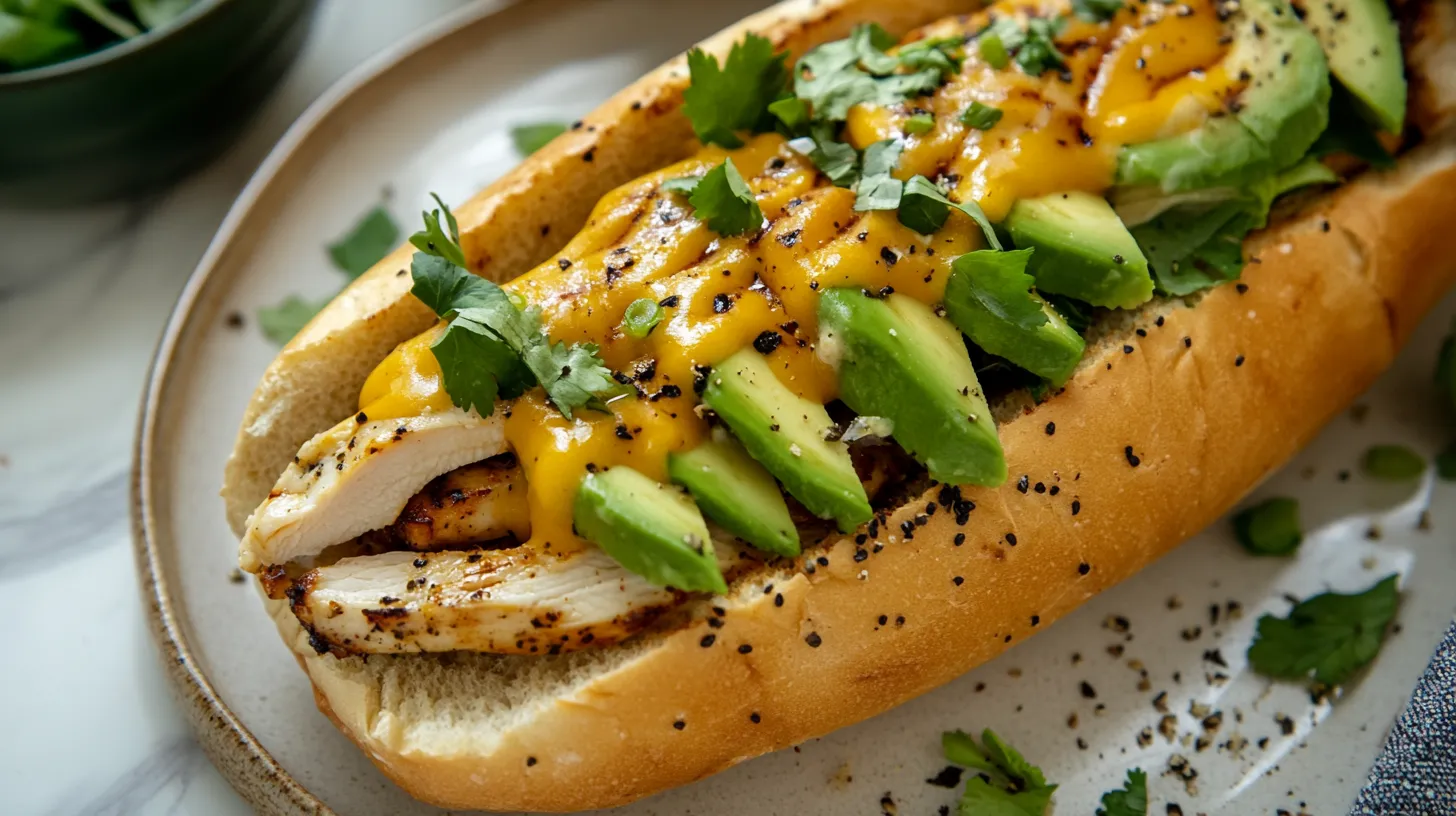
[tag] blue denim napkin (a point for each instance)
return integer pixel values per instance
(1415, 774)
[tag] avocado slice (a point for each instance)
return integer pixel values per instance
(898, 360)
(1362, 43)
(737, 493)
(1281, 111)
(649, 528)
(1050, 350)
(1083, 250)
(786, 434)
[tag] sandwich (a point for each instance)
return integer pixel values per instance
(828, 361)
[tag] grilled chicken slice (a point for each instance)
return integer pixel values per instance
(476, 503)
(515, 601)
(357, 477)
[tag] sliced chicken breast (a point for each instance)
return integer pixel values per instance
(357, 477)
(469, 505)
(514, 601)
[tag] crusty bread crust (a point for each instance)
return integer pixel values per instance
(1146, 448)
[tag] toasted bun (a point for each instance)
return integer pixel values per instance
(1149, 447)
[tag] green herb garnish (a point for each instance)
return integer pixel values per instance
(530, 138)
(1329, 636)
(792, 112)
(920, 123)
(1348, 132)
(364, 245)
(1129, 800)
(641, 317)
(41, 32)
(1096, 11)
(723, 200)
(1270, 527)
(1393, 463)
(993, 50)
(924, 208)
(981, 116)
(1038, 53)
(999, 283)
(1005, 784)
(877, 189)
(491, 347)
(836, 76)
(735, 97)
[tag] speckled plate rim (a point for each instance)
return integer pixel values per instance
(237, 754)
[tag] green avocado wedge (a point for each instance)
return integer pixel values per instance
(989, 298)
(649, 528)
(1082, 250)
(786, 434)
(1281, 111)
(736, 493)
(896, 359)
(1362, 44)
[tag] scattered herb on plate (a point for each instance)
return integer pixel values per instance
(1270, 527)
(1393, 463)
(529, 138)
(1329, 636)
(1129, 800)
(1005, 784)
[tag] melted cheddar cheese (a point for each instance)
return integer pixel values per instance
(1151, 72)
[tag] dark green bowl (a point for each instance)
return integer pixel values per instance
(141, 113)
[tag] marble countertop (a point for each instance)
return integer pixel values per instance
(91, 727)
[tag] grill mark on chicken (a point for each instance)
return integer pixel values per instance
(473, 504)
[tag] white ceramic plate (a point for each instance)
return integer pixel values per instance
(435, 116)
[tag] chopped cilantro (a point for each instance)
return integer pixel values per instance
(838, 75)
(724, 202)
(281, 322)
(920, 123)
(1393, 463)
(1005, 783)
(835, 159)
(721, 101)
(792, 112)
(981, 116)
(363, 246)
(683, 184)
(491, 347)
(924, 208)
(641, 317)
(1096, 11)
(434, 240)
(1038, 53)
(1270, 527)
(1329, 636)
(1129, 800)
(940, 53)
(877, 189)
(999, 283)
(530, 138)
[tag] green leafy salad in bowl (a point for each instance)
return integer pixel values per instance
(43, 32)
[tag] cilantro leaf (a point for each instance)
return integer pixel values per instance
(1349, 133)
(869, 41)
(682, 184)
(723, 200)
(1038, 53)
(471, 362)
(736, 96)
(281, 322)
(363, 246)
(1270, 527)
(1199, 244)
(573, 376)
(433, 240)
(877, 189)
(940, 53)
(1329, 636)
(792, 112)
(1129, 800)
(835, 159)
(1096, 11)
(923, 208)
(532, 137)
(1007, 785)
(830, 77)
(998, 283)
(981, 116)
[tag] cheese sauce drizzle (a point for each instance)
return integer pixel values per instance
(1150, 72)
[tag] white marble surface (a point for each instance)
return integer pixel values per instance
(89, 726)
